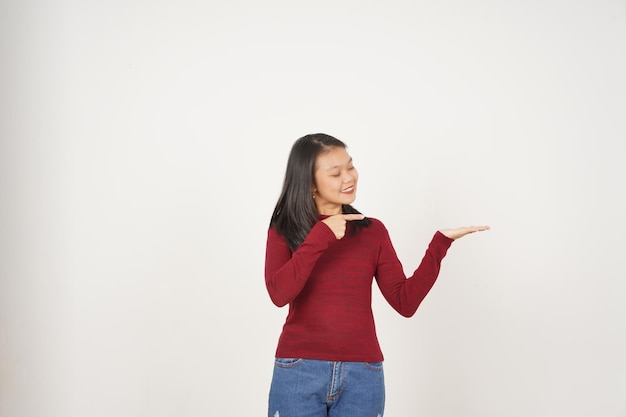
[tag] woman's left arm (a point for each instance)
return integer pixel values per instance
(406, 294)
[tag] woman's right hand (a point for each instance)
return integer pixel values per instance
(338, 222)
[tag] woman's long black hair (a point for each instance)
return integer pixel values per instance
(296, 211)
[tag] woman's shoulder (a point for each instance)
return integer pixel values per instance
(376, 224)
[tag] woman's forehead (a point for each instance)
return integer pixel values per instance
(335, 158)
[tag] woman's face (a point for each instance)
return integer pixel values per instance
(335, 181)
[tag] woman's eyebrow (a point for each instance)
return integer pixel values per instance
(339, 166)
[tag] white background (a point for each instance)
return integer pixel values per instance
(142, 150)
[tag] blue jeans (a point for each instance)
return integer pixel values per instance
(313, 388)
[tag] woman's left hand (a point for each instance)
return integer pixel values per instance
(462, 231)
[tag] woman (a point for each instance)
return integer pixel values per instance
(322, 256)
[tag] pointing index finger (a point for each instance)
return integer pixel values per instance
(351, 217)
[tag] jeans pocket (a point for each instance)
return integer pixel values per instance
(287, 362)
(374, 366)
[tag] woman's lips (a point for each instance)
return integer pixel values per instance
(348, 190)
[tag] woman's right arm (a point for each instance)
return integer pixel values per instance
(286, 273)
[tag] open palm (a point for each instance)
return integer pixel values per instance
(459, 232)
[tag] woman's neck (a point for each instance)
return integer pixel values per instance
(329, 210)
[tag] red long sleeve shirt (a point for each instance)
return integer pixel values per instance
(328, 286)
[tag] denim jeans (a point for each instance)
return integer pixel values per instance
(314, 388)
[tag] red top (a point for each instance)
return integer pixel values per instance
(328, 286)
